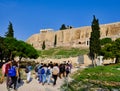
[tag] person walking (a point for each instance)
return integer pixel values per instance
(49, 74)
(28, 72)
(43, 71)
(39, 74)
(62, 69)
(55, 73)
(19, 73)
(13, 74)
(5, 68)
(67, 69)
(37, 67)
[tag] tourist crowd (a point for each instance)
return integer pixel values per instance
(44, 73)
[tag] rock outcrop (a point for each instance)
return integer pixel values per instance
(75, 37)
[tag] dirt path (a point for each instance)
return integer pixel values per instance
(35, 86)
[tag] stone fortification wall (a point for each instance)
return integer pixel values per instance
(74, 37)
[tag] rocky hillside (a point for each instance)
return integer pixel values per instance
(75, 37)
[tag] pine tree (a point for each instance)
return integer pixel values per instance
(55, 41)
(63, 27)
(43, 45)
(95, 39)
(10, 32)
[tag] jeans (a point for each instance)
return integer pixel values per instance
(48, 78)
(43, 78)
(40, 78)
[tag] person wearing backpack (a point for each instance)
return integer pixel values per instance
(43, 72)
(70, 65)
(55, 72)
(62, 69)
(5, 68)
(37, 67)
(39, 74)
(67, 69)
(49, 74)
(13, 74)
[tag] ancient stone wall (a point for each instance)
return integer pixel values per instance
(73, 37)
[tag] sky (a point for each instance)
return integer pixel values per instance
(29, 16)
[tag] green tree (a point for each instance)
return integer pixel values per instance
(10, 32)
(94, 40)
(10, 47)
(55, 41)
(30, 51)
(63, 27)
(107, 51)
(105, 41)
(26, 50)
(116, 50)
(43, 45)
(2, 47)
(112, 50)
(21, 47)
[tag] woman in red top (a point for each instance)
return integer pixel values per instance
(5, 68)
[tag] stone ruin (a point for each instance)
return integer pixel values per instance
(74, 37)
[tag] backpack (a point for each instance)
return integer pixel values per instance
(62, 69)
(67, 69)
(70, 66)
(37, 68)
(42, 71)
(48, 72)
(55, 71)
(12, 71)
(26, 70)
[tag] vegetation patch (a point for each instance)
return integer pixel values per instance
(62, 52)
(101, 77)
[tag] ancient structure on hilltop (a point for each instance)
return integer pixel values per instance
(75, 37)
